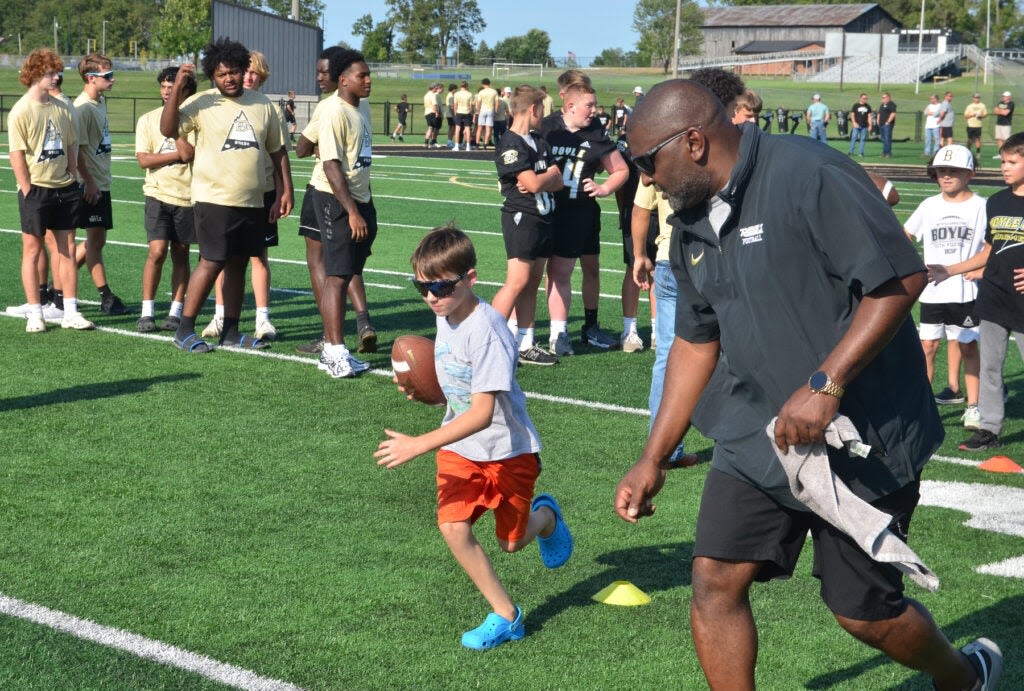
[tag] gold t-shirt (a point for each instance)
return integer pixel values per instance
(463, 102)
(232, 136)
(974, 113)
(345, 137)
(486, 98)
(429, 103)
(647, 197)
(45, 132)
(94, 138)
(171, 184)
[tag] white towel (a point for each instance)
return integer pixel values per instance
(815, 485)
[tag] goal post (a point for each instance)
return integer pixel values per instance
(508, 70)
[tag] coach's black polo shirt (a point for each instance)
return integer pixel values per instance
(807, 235)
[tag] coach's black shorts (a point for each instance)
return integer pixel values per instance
(576, 229)
(309, 226)
(98, 215)
(49, 208)
(270, 238)
(527, 236)
(343, 256)
(169, 222)
(739, 522)
(960, 314)
(229, 231)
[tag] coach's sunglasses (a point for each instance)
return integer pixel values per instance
(439, 289)
(109, 76)
(645, 162)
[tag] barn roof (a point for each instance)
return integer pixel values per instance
(758, 47)
(784, 15)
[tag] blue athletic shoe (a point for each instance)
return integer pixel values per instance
(494, 631)
(556, 548)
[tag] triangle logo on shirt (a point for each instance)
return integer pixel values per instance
(53, 143)
(241, 135)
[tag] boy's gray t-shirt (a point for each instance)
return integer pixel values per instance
(479, 356)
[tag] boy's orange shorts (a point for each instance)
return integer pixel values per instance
(466, 489)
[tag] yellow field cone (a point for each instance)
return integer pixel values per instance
(1001, 464)
(624, 594)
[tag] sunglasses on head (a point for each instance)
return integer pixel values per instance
(439, 289)
(645, 162)
(109, 76)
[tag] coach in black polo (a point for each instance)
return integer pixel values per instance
(792, 268)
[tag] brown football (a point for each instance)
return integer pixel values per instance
(886, 188)
(412, 359)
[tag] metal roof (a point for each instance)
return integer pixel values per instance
(785, 15)
(756, 47)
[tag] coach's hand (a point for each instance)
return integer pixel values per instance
(358, 225)
(804, 417)
(636, 489)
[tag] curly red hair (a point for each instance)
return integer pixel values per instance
(38, 63)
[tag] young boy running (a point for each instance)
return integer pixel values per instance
(488, 457)
(951, 226)
(1000, 303)
(528, 175)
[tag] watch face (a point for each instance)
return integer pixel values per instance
(818, 380)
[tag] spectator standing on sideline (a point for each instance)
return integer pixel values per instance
(946, 119)
(1004, 120)
(289, 115)
(96, 215)
(170, 228)
(43, 146)
(860, 114)
(620, 116)
(951, 226)
(449, 113)
(817, 117)
(932, 116)
(402, 110)
(501, 114)
(432, 115)
(638, 96)
(719, 181)
(974, 114)
(549, 103)
(463, 101)
(486, 103)
(886, 121)
(234, 129)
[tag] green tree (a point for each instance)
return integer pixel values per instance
(378, 39)
(184, 28)
(655, 21)
(533, 47)
(310, 11)
(430, 27)
(609, 57)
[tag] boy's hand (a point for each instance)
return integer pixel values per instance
(397, 449)
(402, 389)
(1018, 280)
(937, 273)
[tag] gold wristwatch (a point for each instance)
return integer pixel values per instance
(820, 382)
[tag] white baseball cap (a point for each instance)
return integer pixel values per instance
(508, 89)
(952, 156)
(1007, 93)
(816, 97)
(638, 90)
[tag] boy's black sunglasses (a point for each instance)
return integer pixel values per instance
(439, 289)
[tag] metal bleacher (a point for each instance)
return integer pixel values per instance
(895, 69)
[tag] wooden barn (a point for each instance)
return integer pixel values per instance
(775, 28)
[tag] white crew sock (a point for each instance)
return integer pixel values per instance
(629, 325)
(263, 314)
(218, 311)
(525, 339)
(70, 305)
(175, 310)
(148, 307)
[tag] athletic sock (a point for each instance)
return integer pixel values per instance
(362, 320)
(629, 325)
(105, 291)
(589, 317)
(175, 310)
(525, 338)
(70, 305)
(186, 328)
(513, 326)
(218, 311)
(148, 308)
(58, 299)
(558, 327)
(229, 333)
(44, 294)
(263, 314)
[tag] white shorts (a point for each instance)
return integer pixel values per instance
(935, 332)
(485, 118)
(1003, 132)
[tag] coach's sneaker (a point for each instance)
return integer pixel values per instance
(214, 328)
(971, 417)
(76, 321)
(112, 305)
(367, 339)
(987, 660)
(949, 397)
(562, 346)
(337, 367)
(314, 347)
(631, 343)
(597, 337)
(21, 310)
(536, 356)
(145, 325)
(358, 366)
(981, 440)
(34, 324)
(265, 331)
(52, 313)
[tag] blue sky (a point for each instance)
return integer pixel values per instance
(585, 27)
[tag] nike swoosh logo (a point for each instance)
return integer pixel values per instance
(268, 238)
(695, 260)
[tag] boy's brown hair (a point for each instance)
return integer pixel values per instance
(38, 63)
(525, 97)
(444, 250)
(93, 62)
(749, 100)
(1013, 145)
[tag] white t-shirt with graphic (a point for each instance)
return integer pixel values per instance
(950, 232)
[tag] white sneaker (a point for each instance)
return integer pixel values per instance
(561, 346)
(467, 147)
(35, 324)
(21, 310)
(52, 313)
(971, 417)
(336, 367)
(214, 328)
(631, 342)
(358, 366)
(76, 321)
(265, 331)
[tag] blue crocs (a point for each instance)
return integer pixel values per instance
(556, 548)
(494, 631)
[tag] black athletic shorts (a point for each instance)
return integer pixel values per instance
(946, 132)
(960, 314)
(653, 228)
(270, 238)
(228, 231)
(169, 222)
(739, 522)
(49, 208)
(309, 226)
(576, 230)
(527, 236)
(464, 119)
(343, 256)
(974, 133)
(433, 120)
(98, 215)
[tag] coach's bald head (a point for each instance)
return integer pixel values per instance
(695, 165)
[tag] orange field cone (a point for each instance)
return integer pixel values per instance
(624, 594)
(1001, 464)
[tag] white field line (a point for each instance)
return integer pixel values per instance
(145, 648)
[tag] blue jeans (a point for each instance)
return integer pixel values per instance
(886, 132)
(931, 140)
(664, 333)
(818, 131)
(862, 132)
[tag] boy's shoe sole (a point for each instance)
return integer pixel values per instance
(556, 548)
